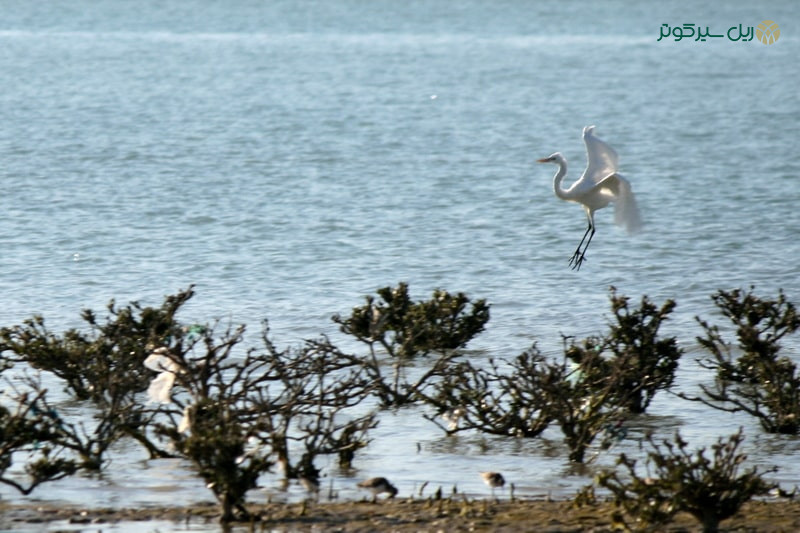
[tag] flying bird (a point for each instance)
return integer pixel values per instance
(599, 185)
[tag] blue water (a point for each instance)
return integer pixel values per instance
(289, 158)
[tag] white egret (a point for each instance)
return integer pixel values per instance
(160, 387)
(599, 185)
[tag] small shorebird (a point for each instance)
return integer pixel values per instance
(493, 480)
(311, 484)
(378, 485)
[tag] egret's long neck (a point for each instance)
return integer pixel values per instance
(558, 178)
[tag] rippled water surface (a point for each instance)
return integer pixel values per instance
(289, 158)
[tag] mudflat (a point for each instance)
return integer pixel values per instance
(406, 515)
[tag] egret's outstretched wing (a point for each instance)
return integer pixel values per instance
(626, 212)
(601, 158)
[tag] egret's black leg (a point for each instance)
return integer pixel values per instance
(583, 254)
(577, 257)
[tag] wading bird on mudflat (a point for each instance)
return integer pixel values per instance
(377, 486)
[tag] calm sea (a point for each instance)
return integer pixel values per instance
(290, 157)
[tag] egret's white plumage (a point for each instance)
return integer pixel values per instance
(186, 420)
(160, 388)
(599, 185)
(160, 361)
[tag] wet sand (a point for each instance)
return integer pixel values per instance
(404, 515)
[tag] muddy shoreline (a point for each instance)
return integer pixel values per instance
(405, 515)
